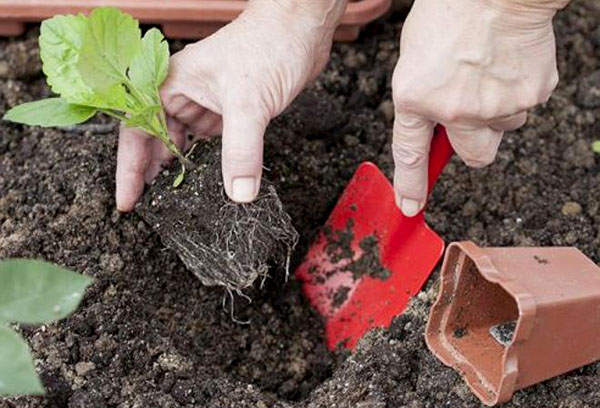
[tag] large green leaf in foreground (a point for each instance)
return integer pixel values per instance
(17, 372)
(38, 292)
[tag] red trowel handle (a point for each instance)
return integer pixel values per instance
(439, 155)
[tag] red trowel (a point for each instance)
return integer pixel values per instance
(354, 295)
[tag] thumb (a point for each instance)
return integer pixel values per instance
(410, 148)
(243, 134)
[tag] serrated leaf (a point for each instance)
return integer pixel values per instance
(38, 292)
(110, 41)
(50, 112)
(60, 41)
(596, 146)
(149, 68)
(17, 371)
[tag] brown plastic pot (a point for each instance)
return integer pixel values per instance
(179, 18)
(551, 294)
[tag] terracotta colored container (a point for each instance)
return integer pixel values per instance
(507, 318)
(179, 18)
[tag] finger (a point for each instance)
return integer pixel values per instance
(160, 156)
(475, 144)
(208, 125)
(133, 156)
(174, 103)
(410, 148)
(509, 123)
(189, 113)
(243, 135)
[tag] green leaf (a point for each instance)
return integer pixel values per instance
(596, 146)
(60, 42)
(180, 177)
(50, 112)
(17, 372)
(110, 41)
(150, 66)
(38, 292)
(61, 39)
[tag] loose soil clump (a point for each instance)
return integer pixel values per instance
(221, 242)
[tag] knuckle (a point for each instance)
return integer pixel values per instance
(453, 113)
(480, 158)
(247, 103)
(403, 95)
(529, 98)
(402, 100)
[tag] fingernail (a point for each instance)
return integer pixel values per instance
(410, 207)
(243, 189)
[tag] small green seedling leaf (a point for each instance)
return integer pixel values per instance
(111, 40)
(17, 372)
(180, 177)
(150, 67)
(596, 146)
(100, 63)
(50, 112)
(36, 292)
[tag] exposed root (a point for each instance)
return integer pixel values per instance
(227, 244)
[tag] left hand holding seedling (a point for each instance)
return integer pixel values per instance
(233, 83)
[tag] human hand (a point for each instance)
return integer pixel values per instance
(233, 83)
(475, 67)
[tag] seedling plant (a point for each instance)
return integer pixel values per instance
(101, 63)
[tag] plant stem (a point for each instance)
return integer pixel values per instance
(113, 114)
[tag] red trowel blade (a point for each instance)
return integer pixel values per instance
(353, 302)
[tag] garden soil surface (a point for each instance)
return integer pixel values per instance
(149, 334)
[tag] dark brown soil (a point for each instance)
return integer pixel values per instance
(368, 264)
(149, 334)
(339, 248)
(222, 243)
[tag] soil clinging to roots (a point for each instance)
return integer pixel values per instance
(221, 242)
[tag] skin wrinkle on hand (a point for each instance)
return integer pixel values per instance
(474, 67)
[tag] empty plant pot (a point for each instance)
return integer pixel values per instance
(507, 318)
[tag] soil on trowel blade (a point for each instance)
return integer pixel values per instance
(338, 247)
